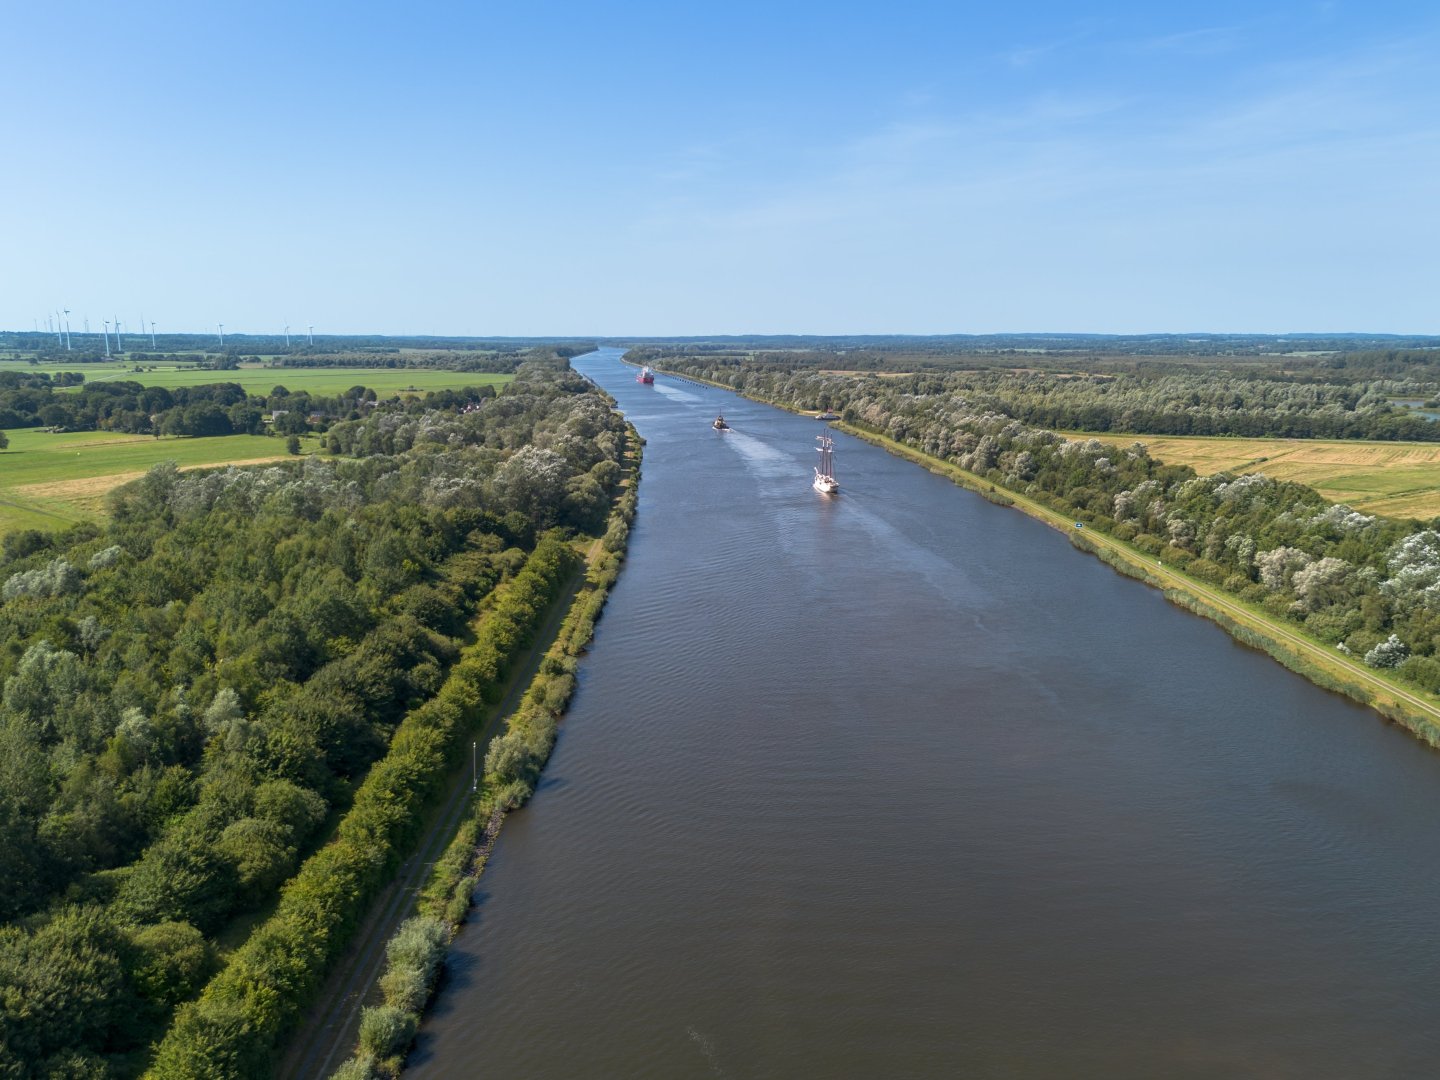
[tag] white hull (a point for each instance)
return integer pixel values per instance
(825, 482)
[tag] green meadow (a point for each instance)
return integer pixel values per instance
(50, 481)
(260, 380)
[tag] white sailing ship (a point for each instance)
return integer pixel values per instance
(825, 481)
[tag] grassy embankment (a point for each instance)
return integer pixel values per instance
(415, 952)
(1393, 479)
(1319, 663)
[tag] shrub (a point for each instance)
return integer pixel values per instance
(361, 1067)
(1388, 654)
(1423, 671)
(385, 1030)
(405, 988)
(413, 956)
(56, 578)
(174, 959)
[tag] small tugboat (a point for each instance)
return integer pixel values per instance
(645, 376)
(720, 424)
(825, 481)
(828, 415)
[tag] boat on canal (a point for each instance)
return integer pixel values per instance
(827, 415)
(825, 481)
(720, 424)
(645, 376)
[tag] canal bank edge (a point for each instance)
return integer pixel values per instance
(513, 762)
(1251, 627)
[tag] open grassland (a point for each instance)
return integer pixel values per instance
(261, 380)
(1396, 479)
(49, 481)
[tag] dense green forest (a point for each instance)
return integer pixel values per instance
(194, 692)
(1350, 397)
(1369, 586)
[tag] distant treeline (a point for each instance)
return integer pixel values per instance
(93, 344)
(1290, 347)
(1344, 362)
(494, 363)
(32, 399)
(1147, 401)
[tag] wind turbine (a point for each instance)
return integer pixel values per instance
(287, 335)
(67, 329)
(152, 333)
(107, 337)
(222, 335)
(310, 337)
(118, 347)
(87, 326)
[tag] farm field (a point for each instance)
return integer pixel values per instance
(49, 481)
(260, 380)
(1394, 479)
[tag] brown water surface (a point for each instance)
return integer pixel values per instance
(899, 784)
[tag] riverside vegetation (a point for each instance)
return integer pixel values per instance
(225, 707)
(1364, 585)
(512, 766)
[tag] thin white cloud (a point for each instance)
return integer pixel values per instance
(1207, 41)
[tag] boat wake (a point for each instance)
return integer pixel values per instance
(707, 1049)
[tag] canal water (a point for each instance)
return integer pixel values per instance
(900, 784)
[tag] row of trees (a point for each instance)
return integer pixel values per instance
(192, 690)
(30, 399)
(1264, 402)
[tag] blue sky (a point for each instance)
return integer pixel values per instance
(566, 168)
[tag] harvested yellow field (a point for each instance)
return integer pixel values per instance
(87, 493)
(1391, 478)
